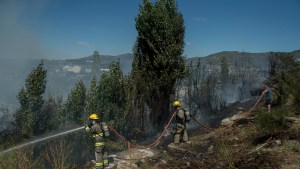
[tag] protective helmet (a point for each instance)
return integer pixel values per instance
(176, 104)
(94, 116)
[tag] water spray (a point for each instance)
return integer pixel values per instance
(39, 140)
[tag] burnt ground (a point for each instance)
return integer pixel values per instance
(244, 145)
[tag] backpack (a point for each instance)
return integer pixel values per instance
(105, 128)
(187, 115)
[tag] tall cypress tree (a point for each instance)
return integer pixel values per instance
(92, 105)
(224, 70)
(158, 60)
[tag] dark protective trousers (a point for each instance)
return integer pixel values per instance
(180, 134)
(101, 153)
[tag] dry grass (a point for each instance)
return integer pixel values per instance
(57, 154)
(21, 158)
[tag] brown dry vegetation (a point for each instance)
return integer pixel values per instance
(253, 142)
(244, 145)
(250, 143)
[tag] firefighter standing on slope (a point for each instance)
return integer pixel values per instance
(98, 130)
(268, 102)
(180, 132)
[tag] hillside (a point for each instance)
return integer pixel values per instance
(236, 136)
(235, 58)
(63, 74)
(243, 143)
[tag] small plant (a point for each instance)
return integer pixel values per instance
(20, 158)
(293, 146)
(294, 89)
(57, 154)
(166, 157)
(226, 153)
(7, 161)
(117, 146)
(273, 121)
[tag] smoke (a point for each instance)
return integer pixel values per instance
(18, 45)
(18, 41)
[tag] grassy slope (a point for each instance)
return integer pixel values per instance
(244, 145)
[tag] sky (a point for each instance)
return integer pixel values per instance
(69, 29)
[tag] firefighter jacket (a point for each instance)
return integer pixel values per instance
(97, 132)
(180, 117)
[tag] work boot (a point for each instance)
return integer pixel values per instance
(188, 142)
(173, 145)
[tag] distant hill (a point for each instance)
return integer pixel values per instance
(63, 74)
(237, 58)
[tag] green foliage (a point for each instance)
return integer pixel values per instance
(224, 70)
(274, 121)
(294, 89)
(290, 146)
(96, 61)
(92, 98)
(224, 151)
(50, 109)
(116, 146)
(31, 100)
(293, 83)
(157, 60)
(160, 42)
(73, 111)
(112, 98)
(22, 158)
(283, 72)
(92, 103)
(208, 94)
(7, 161)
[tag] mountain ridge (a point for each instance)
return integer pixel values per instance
(63, 74)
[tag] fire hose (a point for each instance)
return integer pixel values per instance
(168, 124)
(150, 145)
(247, 113)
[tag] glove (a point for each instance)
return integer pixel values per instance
(87, 128)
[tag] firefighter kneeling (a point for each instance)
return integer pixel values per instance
(179, 131)
(98, 130)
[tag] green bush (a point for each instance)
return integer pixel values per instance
(116, 146)
(294, 89)
(273, 121)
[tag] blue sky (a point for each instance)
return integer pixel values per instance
(67, 29)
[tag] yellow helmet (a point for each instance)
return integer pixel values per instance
(94, 116)
(176, 104)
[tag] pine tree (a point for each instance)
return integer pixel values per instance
(92, 103)
(73, 111)
(111, 96)
(51, 109)
(283, 70)
(158, 60)
(96, 62)
(29, 116)
(224, 70)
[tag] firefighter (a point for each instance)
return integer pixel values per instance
(268, 101)
(180, 132)
(98, 131)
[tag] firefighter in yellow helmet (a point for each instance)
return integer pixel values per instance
(179, 131)
(98, 131)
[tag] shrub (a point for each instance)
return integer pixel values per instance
(274, 121)
(294, 89)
